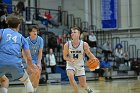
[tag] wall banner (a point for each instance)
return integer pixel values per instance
(109, 13)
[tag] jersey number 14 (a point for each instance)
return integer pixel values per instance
(75, 56)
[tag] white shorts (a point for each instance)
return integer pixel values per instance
(78, 72)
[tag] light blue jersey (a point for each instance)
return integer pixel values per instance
(10, 46)
(34, 46)
(10, 53)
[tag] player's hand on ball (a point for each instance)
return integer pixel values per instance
(93, 64)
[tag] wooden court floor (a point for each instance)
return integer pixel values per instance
(116, 86)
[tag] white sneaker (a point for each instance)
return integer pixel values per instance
(89, 90)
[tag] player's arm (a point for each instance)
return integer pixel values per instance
(40, 53)
(24, 56)
(66, 53)
(88, 52)
(26, 51)
(30, 66)
(28, 57)
(39, 56)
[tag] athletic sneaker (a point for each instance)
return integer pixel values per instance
(89, 90)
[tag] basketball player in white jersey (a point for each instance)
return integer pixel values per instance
(73, 53)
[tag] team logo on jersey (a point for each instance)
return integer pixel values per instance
(34, 49)
(77, 55)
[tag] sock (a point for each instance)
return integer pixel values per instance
(35, 89)
(4, 90)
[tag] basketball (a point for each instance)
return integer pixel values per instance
(92, 64)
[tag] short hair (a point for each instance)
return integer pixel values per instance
(76, 28)
(31, 27)
(12, 21)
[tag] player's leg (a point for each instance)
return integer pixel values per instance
(19, 73)
(83, 84)
(35, 77)
(82, 80)
(70, 74)
(110, 74)
(4, 81)
(106, 73)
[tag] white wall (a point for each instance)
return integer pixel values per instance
(75, 7)
(123, 13)
(49, 4)
(126, 17)
(135, 13)
(97, 14)
(129, 13)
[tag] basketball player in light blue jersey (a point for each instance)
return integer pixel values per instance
(36, 48)
(73, 53)
(11, 43)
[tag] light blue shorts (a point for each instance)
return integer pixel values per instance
(16, 70)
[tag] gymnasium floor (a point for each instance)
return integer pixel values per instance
(116, 86)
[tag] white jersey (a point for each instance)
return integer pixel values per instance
(77, 54)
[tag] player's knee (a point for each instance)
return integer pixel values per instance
(35, 75)
(4, 79)
(71, 77)
(7, 81)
